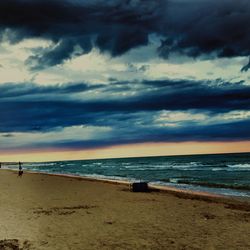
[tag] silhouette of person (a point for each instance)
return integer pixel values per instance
(20, 172)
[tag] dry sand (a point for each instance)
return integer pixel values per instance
(41, 211)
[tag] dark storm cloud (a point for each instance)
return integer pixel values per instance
(65, 49)
(203, 27)
(206, 28)
(148, 95)
(30, 108)
(218, 132)
(246, 67)
(14, 90)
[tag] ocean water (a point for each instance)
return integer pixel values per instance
(227, 174)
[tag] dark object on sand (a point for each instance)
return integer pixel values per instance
(20, 173)
(9, 244)
(139, 187)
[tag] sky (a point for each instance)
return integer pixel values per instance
(96, 79)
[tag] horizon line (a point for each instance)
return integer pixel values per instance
(131, 157)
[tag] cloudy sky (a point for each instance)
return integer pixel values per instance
(93, 75)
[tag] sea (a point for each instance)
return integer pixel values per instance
(226, 174)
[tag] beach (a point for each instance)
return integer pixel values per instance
(41, 211)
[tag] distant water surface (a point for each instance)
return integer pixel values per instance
(227, 174)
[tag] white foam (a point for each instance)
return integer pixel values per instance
(173, 180)
(245, 166)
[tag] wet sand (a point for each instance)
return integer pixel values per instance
(41, 211)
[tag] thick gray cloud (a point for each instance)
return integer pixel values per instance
(218, 132)
(128, 111)
(134, 118)
(207, 28)
(246, 67)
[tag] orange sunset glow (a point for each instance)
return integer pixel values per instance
(132, 150)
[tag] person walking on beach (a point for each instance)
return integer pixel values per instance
(20, 173)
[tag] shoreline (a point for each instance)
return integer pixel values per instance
(180, 193)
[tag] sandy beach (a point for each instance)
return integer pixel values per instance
(41, 211)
